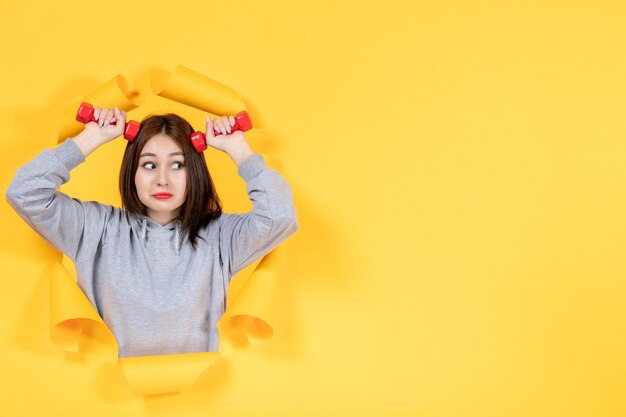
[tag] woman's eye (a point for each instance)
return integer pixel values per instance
(152, 165)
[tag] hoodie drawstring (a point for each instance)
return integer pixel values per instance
(144, 231)
(177, 240)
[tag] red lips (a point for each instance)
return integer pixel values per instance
(162, 196)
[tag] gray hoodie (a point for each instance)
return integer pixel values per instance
(155, 292)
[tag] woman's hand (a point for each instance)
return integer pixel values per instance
(233, 143)
(103, 129)
(98, 133)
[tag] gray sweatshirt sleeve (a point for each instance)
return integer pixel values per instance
(246, 237)
(61, 220)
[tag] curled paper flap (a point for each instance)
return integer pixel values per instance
(76, 325)
(72, 317)
(195, 90)
(250, 315)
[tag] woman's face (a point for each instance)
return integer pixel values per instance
(161, 178)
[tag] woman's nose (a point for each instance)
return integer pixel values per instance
(162, 177)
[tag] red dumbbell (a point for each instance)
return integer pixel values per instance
(242, 122)
(85, 115)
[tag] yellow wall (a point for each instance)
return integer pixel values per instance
(458, 169)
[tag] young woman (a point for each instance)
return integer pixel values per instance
(157, 269)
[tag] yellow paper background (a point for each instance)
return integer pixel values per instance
(457, 168)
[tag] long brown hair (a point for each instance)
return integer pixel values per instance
(201, 202)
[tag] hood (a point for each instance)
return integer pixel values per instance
(145, 227)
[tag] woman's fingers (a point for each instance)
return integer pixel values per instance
(123, 115)
(209, 127)
(119, 116)
(107, 118)
(101, 114)
(226, 125)
(221, 125)
(216, 125)
(110, 121)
